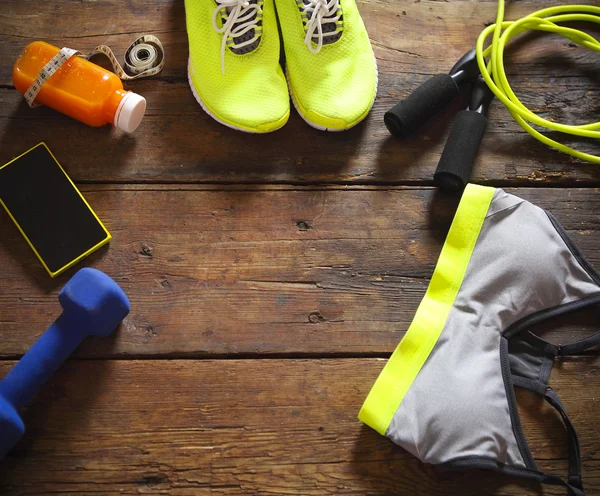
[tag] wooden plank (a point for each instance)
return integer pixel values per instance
(264, 270)
(412, 41)
(399, 29)
(256, 427)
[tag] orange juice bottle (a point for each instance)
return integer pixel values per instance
(79, 89)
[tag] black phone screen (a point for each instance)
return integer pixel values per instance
(49, 210)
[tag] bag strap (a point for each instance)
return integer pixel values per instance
(557, 481)
(573, 483)
(574, 479)
(579, 346)
(562, 350)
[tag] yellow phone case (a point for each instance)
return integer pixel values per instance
(78, 258)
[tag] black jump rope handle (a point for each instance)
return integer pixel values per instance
(407, 115)
(429, 98)
(454, 169)
(455, 165)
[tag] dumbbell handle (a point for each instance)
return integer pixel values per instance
(41, 361)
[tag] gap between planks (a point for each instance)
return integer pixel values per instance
(92, 186)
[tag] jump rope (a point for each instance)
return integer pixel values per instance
(485, 68)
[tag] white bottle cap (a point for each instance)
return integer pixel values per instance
(130, 112)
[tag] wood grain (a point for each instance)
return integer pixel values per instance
(256, 427)
(412, 41)
(263, 271)
(269, 275)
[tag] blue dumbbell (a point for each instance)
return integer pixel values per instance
(93, 305)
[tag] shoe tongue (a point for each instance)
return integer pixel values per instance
(246, 36)
(328, 27)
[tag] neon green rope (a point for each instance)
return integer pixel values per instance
(546, 20)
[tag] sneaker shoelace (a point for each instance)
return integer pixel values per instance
(322, 21)
(240, 25)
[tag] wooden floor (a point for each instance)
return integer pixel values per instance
(271, 276)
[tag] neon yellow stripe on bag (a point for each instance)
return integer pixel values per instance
(412, 352)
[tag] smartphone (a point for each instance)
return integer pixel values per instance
(53, 216)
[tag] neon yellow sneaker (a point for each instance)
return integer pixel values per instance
(233, 68)
(330, 65)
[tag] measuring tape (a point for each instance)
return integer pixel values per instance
(145, 57)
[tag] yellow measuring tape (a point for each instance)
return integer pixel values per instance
(546, 20)
(145, 57)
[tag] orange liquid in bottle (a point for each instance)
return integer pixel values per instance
(79, 89)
